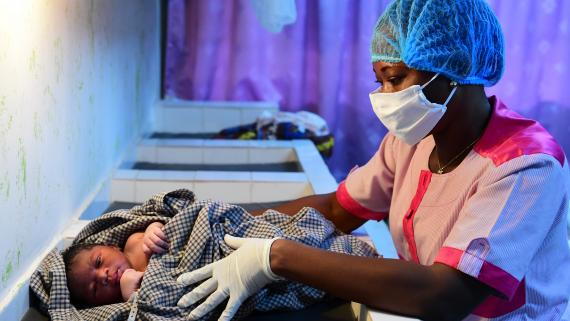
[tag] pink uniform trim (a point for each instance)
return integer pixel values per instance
(508, 135)
(353, 207)
(408, 222)
(494, 306)
(495, 277)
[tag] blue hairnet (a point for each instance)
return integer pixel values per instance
(461, 39)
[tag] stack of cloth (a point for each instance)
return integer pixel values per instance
(285, 126)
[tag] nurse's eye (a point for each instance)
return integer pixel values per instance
(394, 81)
(98, 261)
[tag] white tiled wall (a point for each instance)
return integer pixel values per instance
(242, 187)
(216, 119)
(278, 191)
(222, 176)
(314, 167)
(237, 187)
(146, 153)
(179, 120)
(225, 155)
(179, 155)
(230, 191)
(226, 143)
(271, 155)
(144, 189)
(206, 117)
(206, 151)
(123, 190)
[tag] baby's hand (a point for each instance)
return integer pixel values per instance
(154, 240)
(130, 282)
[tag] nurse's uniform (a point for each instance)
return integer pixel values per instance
(500, 216)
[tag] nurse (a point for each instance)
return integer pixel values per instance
(476, 195)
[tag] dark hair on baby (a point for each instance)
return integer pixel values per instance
(69, 255)
(71, 252)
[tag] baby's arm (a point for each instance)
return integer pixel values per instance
(154, 240)
(134, 252)
(140, 246)
(130, 282)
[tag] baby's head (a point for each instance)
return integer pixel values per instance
(93, 273)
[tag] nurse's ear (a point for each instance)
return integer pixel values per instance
(439, 89)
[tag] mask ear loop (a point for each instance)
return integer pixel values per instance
(427, 83)
(453, 83)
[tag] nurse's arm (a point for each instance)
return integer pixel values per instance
(326, 204)
(435, 292)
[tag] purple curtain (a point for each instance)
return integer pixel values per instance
(217, 50)
(536, 82)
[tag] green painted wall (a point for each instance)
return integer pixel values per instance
(78, 80)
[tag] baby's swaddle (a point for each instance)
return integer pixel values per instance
(195, 230)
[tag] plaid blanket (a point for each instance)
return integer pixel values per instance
(196, 230)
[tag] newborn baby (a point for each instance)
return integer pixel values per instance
(99, 274)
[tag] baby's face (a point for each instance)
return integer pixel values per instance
(96, 273)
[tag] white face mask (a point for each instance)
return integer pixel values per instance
(408, 114)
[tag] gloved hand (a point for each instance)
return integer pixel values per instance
(239, 275)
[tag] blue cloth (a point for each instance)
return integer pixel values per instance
(461, 39)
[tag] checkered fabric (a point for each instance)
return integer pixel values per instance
(195, 230)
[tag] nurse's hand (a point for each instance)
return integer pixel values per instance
(239, 275)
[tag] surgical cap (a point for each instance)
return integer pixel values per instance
(461, 39)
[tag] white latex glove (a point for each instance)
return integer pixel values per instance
(239, 275)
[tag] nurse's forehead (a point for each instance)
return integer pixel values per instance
(382, 66)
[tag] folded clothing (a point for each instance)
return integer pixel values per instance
(195, 230)
(285, 126)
